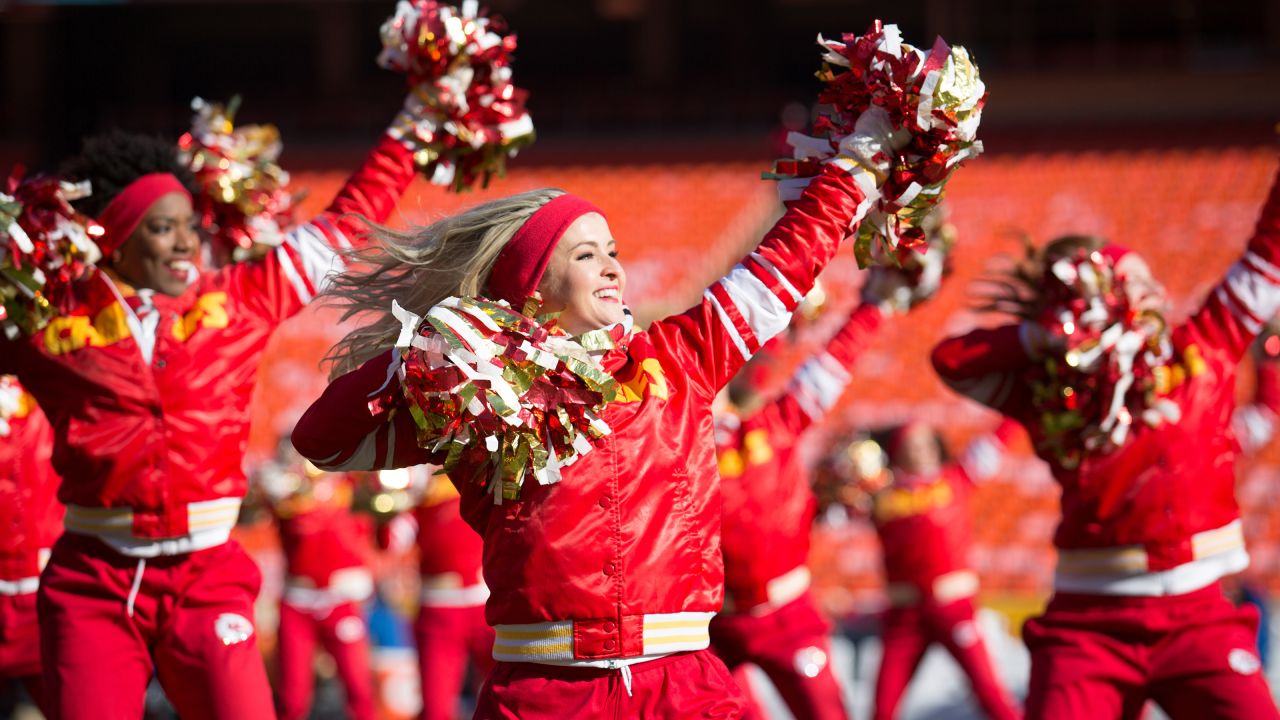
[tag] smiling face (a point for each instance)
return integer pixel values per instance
(584, 280)
(160, 254)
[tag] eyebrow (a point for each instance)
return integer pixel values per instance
(592, 243)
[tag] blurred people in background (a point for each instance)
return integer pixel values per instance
(326, 550)
(450, 631)
(920, 506)
(30, 522)
(146, 380)
(769, 618)
(1150, 523)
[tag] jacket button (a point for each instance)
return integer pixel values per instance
(608, 644)
(160, 364)
(610, 568)
(605, 502)
(609, 627)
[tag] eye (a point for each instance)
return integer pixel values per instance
(613, 254)
(585, 256)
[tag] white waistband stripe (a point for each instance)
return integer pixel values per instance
(552, 642)
(209, 524)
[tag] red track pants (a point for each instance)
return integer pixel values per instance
(191, 624)
(910, 630)
(1103, 657)
(20, 644)
(792, 647)
(447, 637)
(341, 631)
(683, 686)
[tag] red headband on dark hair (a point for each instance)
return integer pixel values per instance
(125, 211)
(521, 264)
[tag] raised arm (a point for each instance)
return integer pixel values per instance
(823, 378)
(283, 282)
(1255, 423)
(1249, 295)
(361, 422)
(984, 366)
(754, 301)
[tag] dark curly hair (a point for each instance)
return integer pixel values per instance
(112, 160)
(1012, 285)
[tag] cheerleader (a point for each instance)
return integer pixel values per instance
(770, 620)
(327, 578)
(450, 629)
(32, 519)
(602, 584)
(920, 507)
(1149, 523)
(147, 381)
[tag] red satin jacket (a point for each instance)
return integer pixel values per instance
(768, 506)
(30, 516)
(925, 524)
(320, 535)
(633, 528)
(149, 440)
(1162, 507)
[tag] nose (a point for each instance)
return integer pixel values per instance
(611, 268)
(186, 239)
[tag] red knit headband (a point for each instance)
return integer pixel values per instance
(521, 264)
(125, 211)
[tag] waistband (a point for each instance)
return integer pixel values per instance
(209, 524)
(1126, 570)
(345, 586)
(21, 586)
(775, 594)
(638, 637)
(948, 588)
(445, 594)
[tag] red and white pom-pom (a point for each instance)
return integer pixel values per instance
(1115, 368)
(243, 201)
(494, 389)
(907, 115)
(45, 245)
(464, 117)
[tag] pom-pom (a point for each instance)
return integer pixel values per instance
(45, 245)
(463, 118)
(929, 103)
(243, 202)
(1115, 365)
(494, 389)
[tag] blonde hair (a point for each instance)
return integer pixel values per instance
(419, 268)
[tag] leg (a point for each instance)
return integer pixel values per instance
(20, 645)
(96, 663)
(1211, 669)
(963, 640)
(905, 641)
(442, 659)
(796, 655)
(207, 655)
(345, 637)
(295, 658)
(742, 677)
(1080, 673)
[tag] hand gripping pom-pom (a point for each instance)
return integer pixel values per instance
(1116, 366)
(45, 246)
(243, 201)
(493, 389)
(463, 117)
(907, 116)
